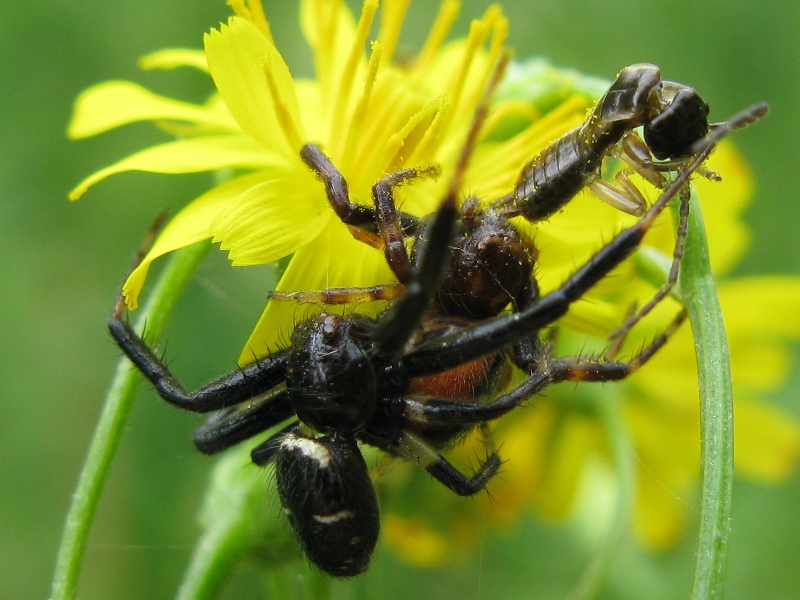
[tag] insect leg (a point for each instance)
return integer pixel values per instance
(331, 296)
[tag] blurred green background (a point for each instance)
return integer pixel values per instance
(62, 263)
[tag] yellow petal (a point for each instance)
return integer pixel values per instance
(354, 68)
(392, 17)
(329, 27)
(765, 307)
(525, 451)
(668, 451)
(308, 95)
(670, 377)
(760, 320)
(414, 541)
(349, 263)
(660, 510)
(573, 443)
(172, 58)
(392, 117)
(569, 238)
(723, 203)
(242, 61)
(666, 441)
(767, 441)
(496, 166)
(593, 316)
(114, 103)
(272, 219)
(189, 226)
(758, 365)
(207, 153)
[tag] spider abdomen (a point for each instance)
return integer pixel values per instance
(490, 267)
(327, 494)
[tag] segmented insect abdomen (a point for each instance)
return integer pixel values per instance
(556, 174)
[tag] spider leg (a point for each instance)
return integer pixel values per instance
(228, 427)
(348, 295)
(244, 383)
(420, 410)
(491, 335)
(718, 130)
(336, 188)
(337, 192)
(412, 448)
(434, 254)
(674, 270)
(605, 368)
(403, 317)
(389, 222)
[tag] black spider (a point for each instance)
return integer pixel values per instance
(395, 382)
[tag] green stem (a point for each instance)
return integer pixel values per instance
(317, 585)
(219, 550)
(280, 583)
(236, 527)
(699, 293)
(116, 408)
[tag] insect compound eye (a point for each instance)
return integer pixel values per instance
(684, 121)
(327, 494)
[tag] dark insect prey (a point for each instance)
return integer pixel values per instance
(420, 375)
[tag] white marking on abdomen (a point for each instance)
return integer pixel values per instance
(310, 448)
(328, 519)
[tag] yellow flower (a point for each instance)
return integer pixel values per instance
(369, 114)
(373, 115)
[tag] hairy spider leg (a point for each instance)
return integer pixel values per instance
(235, 424)
(414, 449)
(419, 410)
(427, 410)
(245, 383)
(363, 220)
(265, 452)
(256, 380)
(345, 295)
(381, 225)
(253, 381)
(494, 334)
